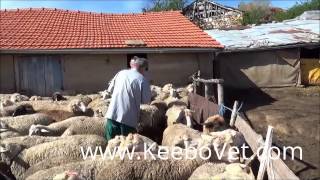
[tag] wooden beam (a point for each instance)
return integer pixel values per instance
(220, 94)
(213, 81)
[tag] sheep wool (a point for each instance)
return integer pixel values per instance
(68, 147)
(116, 169)
(71, 126)
(208, 171)
(21, 124)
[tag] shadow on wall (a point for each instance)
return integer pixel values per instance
(246, 72)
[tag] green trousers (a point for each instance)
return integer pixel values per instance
(113, 128)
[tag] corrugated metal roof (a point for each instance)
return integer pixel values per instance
(290, 32)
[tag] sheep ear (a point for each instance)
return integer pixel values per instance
(3, 149)
(44, 130)
(3, 130)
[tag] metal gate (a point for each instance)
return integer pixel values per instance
(39, 75)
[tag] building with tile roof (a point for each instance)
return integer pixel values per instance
(46, 50)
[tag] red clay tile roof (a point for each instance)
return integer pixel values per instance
(63, 29)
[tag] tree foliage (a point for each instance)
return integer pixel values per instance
(255, 11)
(297, 10)
(260, 11)
(166, 5)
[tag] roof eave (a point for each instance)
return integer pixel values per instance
(244, 49)
(109, 51)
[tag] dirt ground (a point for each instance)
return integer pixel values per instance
(295, 115)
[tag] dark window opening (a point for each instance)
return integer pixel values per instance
(310, 53)
(130, 56)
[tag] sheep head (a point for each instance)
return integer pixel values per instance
(188, 116)
(155, 91)
(77, 106)
(9, 151)
(3, 127)
(37, 129)
(213, 123)
(5, 103)
(235, 171)
(105, 94)
(166, 88)
(23, 109)
(15, 97)
(190, 88)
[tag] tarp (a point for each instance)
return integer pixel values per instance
(310, 71)
(303, 29)
(260, 68)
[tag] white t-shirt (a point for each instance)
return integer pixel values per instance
(130, 89)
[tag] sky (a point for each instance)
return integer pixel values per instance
(112, 6)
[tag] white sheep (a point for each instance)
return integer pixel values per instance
(20, 125)
(99, 106)
(179, 114)
(144, 169)
(61, 110)
(68, 147)
(161, 94)
(207, 171)
(130, 142)
(222, 171)
(151, 122)
(71, 126)
(155, 91)
(5, 102)
(36, 98)
(178, 134)
(28, 141)
(182, 136)
(16, 97)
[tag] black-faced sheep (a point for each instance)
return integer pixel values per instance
(16, 110)
(214, 123)
(16, 97)
(57, 96)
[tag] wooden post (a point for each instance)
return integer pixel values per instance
(220, 94)
(206, 90)
(234, 113)
(264, 159)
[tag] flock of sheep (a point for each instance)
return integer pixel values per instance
(41, 139)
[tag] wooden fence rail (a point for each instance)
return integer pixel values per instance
(255, 140)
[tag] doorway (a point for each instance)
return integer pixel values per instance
(39, 75)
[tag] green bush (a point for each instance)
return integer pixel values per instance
(297, 10)
(257, 14)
